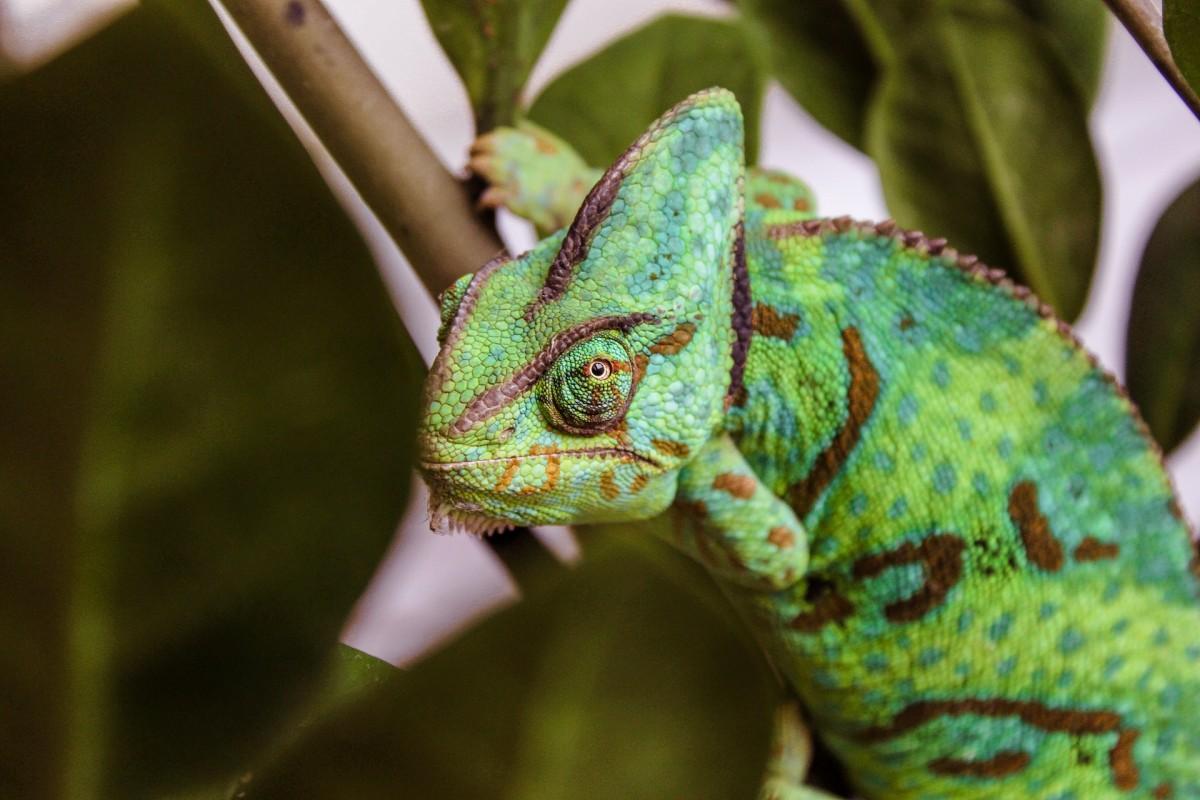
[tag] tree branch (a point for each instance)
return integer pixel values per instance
(423, 207)
(1143, 20)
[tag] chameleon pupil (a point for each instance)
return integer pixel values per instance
(600, 369)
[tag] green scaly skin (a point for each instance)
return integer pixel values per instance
(952, 532)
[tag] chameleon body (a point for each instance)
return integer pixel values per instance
(948, 523)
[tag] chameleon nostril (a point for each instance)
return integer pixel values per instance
(506, 434)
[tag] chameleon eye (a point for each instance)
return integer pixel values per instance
(587, 390)
(599, 368)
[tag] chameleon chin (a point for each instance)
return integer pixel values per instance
(950, 522)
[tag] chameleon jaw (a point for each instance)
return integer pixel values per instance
(447, 518)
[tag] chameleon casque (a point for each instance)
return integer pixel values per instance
(948, 524)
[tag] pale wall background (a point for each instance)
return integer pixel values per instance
(429, 586)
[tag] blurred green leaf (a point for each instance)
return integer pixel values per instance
(980, 136)
(821, 58)
(206, 416)
(493, 44)
(1080, 30)
(604, 103)
(611, 680)
(1162, 354)
(1181, 25)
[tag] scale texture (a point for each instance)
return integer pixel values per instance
(948, 523)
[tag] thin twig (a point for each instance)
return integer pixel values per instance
(1143, 20)
(422, 206)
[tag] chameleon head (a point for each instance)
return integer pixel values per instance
(574, 381)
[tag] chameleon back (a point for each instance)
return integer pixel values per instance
(1001, 598)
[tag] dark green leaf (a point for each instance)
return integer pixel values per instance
(602, 104)
(1162, 354)
(206, 417)
(612, 680)
(981, 136)
(493, 44)
(1080, 30)
(821, 58)
(1181, 24)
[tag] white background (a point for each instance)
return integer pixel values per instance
(1148, 145)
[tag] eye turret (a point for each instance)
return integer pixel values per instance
(588, 389)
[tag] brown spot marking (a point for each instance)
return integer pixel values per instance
(907, 322)
(769, 322)
(544, 145)
(638, 483)
(1004, 763)
(639, 366)
(860, 401)
(670, 448)
(692, 508)
(1032, 713)
(1092, 549)
(552, 469)
(828, 606)
(1164, 791)
(801, 204)
(510, 472)
(740, 486)
(671, 343)
(941, 556)
(1042, 547)
(608, 485)
(781, 537)
(767, 200)
(1120, 758)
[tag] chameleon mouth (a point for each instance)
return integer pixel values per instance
(446, 517)
(594, 452)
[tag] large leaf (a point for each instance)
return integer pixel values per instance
(1181, 25)
(205, 417)
(612, 680)
(1162, 356)
(493, 44)
(602, 104)
(1080, 29)
(981, 136)
(821, 57)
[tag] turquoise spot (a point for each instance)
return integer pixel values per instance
(1111, 592)
(963, 669)
(906, 409)
(1005, 667)
(930, 656)
(876, 662)
(1161, 637)
(1193, 653)
(1012, 365)
(965, 621)
(1169, 696)
(1119, 626)
(825, 678)
(1067, 795)
(918, 452)
(964, 429)
(987, 402)
(999, 629)
(1066, 678)
(1166, 741)
(864, 533)
(1005, 447)
(858, 504)
(884, 462)
(898, 509)
(941, 374)
(981, 484)
(1071, 641)
(944, 478)
(873, 697)
(1047, 611)
(1112, 666)
(1040, 393)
